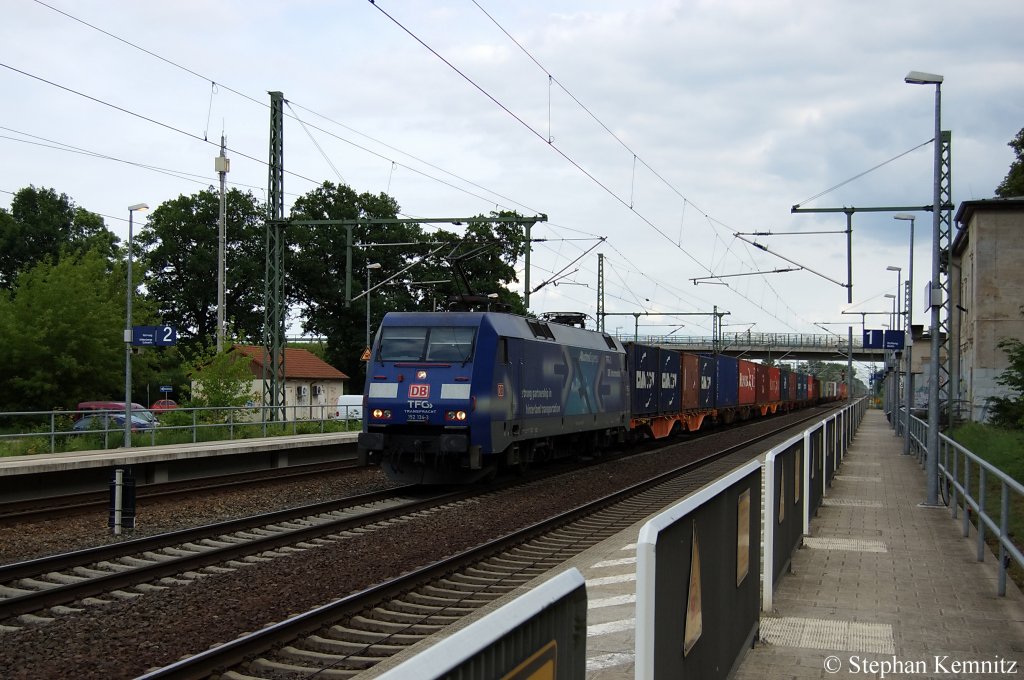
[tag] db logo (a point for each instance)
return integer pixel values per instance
(419, 391)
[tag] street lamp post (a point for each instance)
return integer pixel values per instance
(128, 333)
(369, 267)
(896, 298)
(896, 393)
(932, 461)
(894, 380)
(908, 345)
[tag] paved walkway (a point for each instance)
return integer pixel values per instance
(886, 588)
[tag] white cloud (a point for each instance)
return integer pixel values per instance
(744, 108)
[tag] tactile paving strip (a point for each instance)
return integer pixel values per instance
(852, 544)
(850, 503)
(842, 636)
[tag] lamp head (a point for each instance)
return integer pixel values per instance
(138, 206)
(922, 78)
(904, 216)
(890, 295)
(373, 265)
(892, 268)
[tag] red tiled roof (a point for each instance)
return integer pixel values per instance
(298, 363)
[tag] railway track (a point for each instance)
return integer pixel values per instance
(70, 504)
(346, 637)
(125, 570)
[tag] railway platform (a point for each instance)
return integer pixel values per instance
(883, 587)
(44, 474)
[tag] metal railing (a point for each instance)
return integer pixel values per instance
(33, 432)
(967, 481)
(822, 342)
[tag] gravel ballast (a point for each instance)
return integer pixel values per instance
(125, 638)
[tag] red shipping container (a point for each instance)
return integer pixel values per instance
(792, 386)
(762, 384)
(812, 388)
(748, 382)
(690, 381)
(774, 384)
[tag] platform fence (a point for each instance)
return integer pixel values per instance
(978, 493)
(34, 432)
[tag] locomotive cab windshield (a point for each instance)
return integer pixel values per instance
(426, 343)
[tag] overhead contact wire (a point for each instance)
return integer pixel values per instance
(537, 134)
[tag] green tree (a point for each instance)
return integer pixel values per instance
(179, 252)
(220, 379)
(1012, 185)
(487, 256)
(41, 226)
(61, 335)
(316, 266)
(1008, 411)
(407, 255)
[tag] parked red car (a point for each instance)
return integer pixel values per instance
(162, 405)
(138, 410)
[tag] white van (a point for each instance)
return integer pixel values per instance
(350, 407)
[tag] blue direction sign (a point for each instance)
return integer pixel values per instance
(166, 388)
(874, 339)
(154, 336)
(893, 340)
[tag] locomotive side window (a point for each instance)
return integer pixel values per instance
(402, 343)
(450, 343)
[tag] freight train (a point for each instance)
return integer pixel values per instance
(452, 397)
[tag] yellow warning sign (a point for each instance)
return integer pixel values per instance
(366, 355)
(542, 665)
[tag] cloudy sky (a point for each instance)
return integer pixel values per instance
(664, 126)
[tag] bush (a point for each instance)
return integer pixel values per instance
(1000, 447)
(1008, 412)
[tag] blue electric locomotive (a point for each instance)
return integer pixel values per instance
(452, 397)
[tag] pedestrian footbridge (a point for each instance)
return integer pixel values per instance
(765, 346)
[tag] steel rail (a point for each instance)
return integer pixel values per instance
(240, 649)
(62, 594)
(60, 506)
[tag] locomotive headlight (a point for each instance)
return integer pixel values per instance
(455, 415)
(381, 414)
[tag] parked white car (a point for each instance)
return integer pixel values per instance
(349, 407)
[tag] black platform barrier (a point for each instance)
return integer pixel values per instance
(697, 581)
(815, 479)
(832, 458)
(540, 634)
(785, 490)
